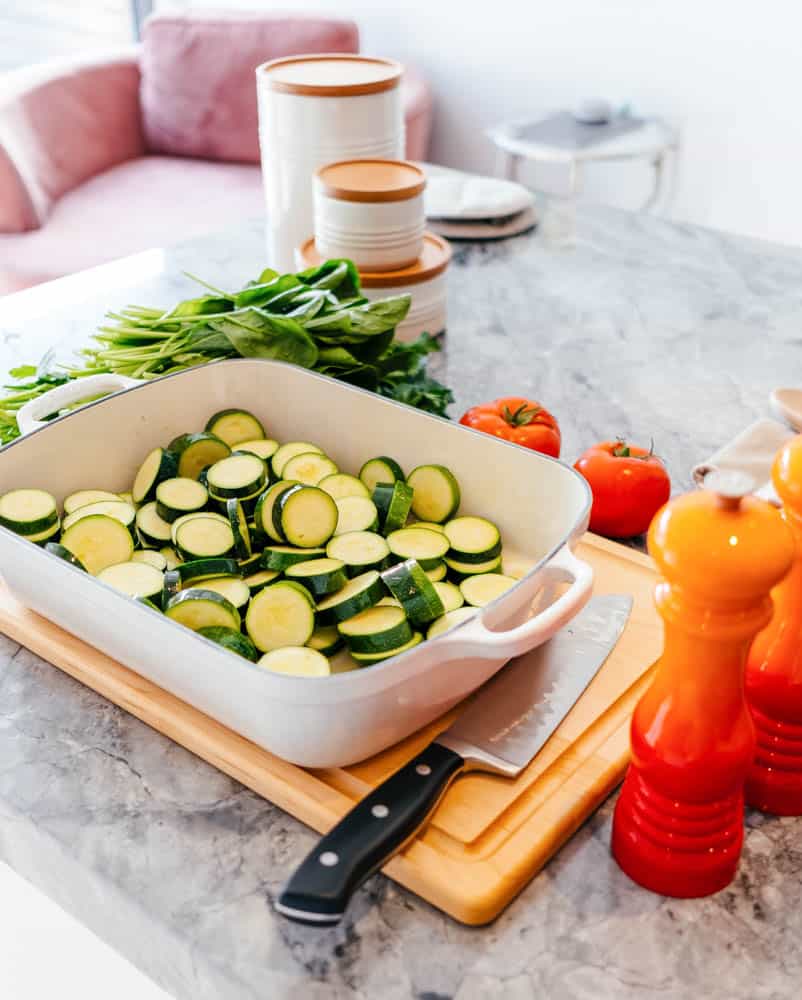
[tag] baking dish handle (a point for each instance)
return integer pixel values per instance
(480, 641)
(29, 416)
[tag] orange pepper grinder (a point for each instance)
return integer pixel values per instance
(678, 825)
(774, 667)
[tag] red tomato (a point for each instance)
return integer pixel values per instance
(521, 421)
(629, 486)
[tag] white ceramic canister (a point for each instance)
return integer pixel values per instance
(370, 211)
(313, 110)
(425, 281)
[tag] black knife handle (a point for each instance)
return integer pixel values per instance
(368, 836)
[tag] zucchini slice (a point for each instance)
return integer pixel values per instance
(232, 640)
(118, 509)
(191, 517)
(136, 579)
(309, 468)
(263, 514)
(326, 640)
(389, 602)
(376, 630)
(426, 547)
(281, 557)
(231, 587)
(366, 659)
(408, 582)
(264, 448)
(484, 588)
(83, 497)
(380, 470)
(437, 494)
(234, 426)
(42, 537)
(305, 516)
(261, 579)
(289, 450)
(197, 451)
(359, 550)
(461, 569)
(202, 569)
(355, 514)
(449, 620)
(203, 537)
(393, 504)
(159, 465)
(28, 512)
(151, 558)
(437, 574)
(198, 608)
(250, 565)
(172, 586)
(282, 614)
(237, 476)
(319, 576)
(450, 595)
(358, 594)
(239, 528)
(340, 485)
(171, 556)
(429, 525)
(98, 541)
(128, 498)
(55, 549)
(473, 539)
(179, 496)
(298, 662)
(152, 530)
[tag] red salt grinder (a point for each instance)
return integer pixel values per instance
(678, 825)
(774, 667)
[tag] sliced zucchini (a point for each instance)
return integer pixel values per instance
(83, 497)
(309, 468)
(289, 450)
(136, 579)
(152, 530)
(358, 594)
(179, 496)
(203, 537)
(366, 659)
(42, 537)
(159, 465)
(355, 514)
(298, 662)
(305, 516)
(408, 582)
(55, 549)
(282, 614)
(265, 448)
(390, 602)
(172, 586)
(127, 498)
(431, 525)
(360, 551)
(237, 476)
(380, 470)
(171, 556)
(438, 573)
(198, 608)
(152, 558)
(319, 576)
(261, 579)
(281, 557)
(437, 493)
(231, 639)
(239, 528)
(234, 426)
(202, 569)
(326, 640)
(393, 504)
(263, 515)
(426, 547)
(98, 541)
(118, 509)
(251, 564)
(231, 587)
(481, 590)
(340, 485)
(222, 518)
(450, 595)
(461, 569)
(449, 620)
(376, 630)
(473, 539)
(28, 512)
(196, 452)
(146, 601)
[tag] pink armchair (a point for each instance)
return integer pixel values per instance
(102, 157)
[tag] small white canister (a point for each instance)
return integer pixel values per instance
(370, 211)
(313, 110)
(425, 281)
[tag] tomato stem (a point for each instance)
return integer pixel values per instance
(520, 417)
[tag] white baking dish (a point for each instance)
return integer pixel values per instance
(540, 505)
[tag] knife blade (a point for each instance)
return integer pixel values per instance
(506, 724)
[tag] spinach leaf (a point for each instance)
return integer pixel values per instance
(261, 335)
(264, 293)
(361, 321)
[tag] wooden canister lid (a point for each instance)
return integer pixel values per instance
(331, 75)
(433, 261)
(371, 180)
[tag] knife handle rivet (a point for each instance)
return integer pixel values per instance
(380, 811)
(423, 769)
(329, 859)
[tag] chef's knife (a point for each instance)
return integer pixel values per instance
(505, 725)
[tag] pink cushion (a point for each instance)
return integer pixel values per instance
(16, 209)
(148, 202)
(417, 100)
(198, 87)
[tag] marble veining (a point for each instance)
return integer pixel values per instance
(623, 325)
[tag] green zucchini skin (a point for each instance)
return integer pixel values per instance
(319, 580)
(409, 584)
(198, 603)
(326, 640)
(281, 557)
(197, 569)
(394, 632)
(230, 639)
(360, 593)
(239, 526)
(366, 659)
(28, 526)
(61, 553)
(393, 504)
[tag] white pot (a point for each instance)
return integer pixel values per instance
(541, 506)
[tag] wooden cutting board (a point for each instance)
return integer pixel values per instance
(489, 836)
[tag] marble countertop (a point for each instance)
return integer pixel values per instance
(624, 325)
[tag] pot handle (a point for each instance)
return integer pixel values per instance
(29, 416)
(480, 641)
